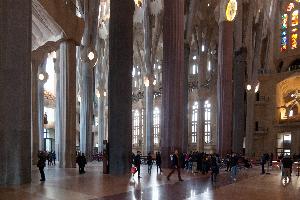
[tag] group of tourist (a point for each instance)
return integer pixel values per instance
(136, 162)
(194, 162)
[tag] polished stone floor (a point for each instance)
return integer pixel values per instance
(67, 184)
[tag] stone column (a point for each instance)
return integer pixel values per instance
(119, 85)
(148, 115)
(15, 84)
(239, 121)
(86, 110)
(174, 80)
(201, 120)
(40, 103)
(67, 59)
(149, 137)
(35, 137)
(58, 105)
(100, 123)
(224, 132)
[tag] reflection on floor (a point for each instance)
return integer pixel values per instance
(67, 184)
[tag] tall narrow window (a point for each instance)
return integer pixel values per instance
(136, 127)
(194, 122)
(208, 65)
(156, 125)
(207, 122)
(142, 128)
(289, 25)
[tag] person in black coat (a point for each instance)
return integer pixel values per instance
(214, 169)
(137, 163)
(149, 163)
(175, 166)
(81, 161)
(158, 162)
(41, 164)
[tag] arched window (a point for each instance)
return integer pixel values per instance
(156, 125)
(136, 127)
(207, 122)
(194, 122)
(289, 26)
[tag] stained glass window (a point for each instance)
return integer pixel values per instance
(289, 26)
(290, 7)
(294, 37)
(295, 18)
(284, 21)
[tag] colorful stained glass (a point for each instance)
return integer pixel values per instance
(294, 30)
(283, 43)
(290, 7)
(284, 23)
(295, 18)
(294, 40)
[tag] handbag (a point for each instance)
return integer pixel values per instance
(133, 170)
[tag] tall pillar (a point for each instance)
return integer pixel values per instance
(15, 90)
(119, 85)
(67, 59)
(225, 87)
(239, 113)
(86, 110)
(201, 120)
(149, 137)
(174, 82)
(58, 105)
(40, 103)
(34, 112)
(100, 123)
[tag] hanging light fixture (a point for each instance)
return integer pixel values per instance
(41, 76)
(249, 87)
(91, 55)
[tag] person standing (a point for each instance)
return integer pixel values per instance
(175, 166)
(81, 161)
(149, 163)
(137, 163)
(41, 164)
(54, 157)
(263, 162)
(158, 162)
(234, 165)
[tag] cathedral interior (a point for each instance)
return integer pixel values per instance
(111, 78)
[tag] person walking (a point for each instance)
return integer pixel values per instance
(214, 169)
(158, 162)
(41, 164)
(149, 163)
(175, 166)
(137, 163)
